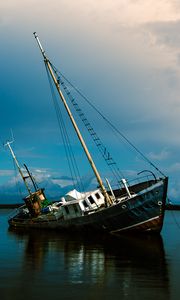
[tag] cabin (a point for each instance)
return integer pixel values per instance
(76, 204)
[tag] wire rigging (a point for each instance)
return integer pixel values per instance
(72, 164)
(103, 150)
(110, 123)
(16, 180)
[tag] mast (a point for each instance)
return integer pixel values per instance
(19, 169)
(98, 177)
(32, 179)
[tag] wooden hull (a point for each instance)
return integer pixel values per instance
(141, 213)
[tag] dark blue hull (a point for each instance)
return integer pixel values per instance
(143, 212)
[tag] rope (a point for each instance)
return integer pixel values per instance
(16, 181)
(103, 150)
(73, 168)
(111, 124)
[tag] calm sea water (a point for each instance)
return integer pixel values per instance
(47, 265)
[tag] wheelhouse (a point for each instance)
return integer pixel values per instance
(77, 204)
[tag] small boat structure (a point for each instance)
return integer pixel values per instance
(138, 206)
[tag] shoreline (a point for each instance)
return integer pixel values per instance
(172, 207)
(14, 205)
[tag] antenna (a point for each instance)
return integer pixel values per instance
(8, 144)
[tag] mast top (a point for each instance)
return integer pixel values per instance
(39, 44)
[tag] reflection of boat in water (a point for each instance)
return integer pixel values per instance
(122, 265)
(136, 207)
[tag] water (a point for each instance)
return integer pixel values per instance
(47, 265)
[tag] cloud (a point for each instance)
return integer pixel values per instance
(175, 167)
(62, 182)
(6, 172)
(174, 190)
(165, 33)
(40, 174)
(162, 155)
(128, 11)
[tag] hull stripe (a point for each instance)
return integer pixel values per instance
(135, 225)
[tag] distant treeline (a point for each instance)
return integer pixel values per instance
(14, 205)
(171, 206)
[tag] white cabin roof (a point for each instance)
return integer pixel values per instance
(75, 195)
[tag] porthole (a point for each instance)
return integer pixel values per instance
(124, 206)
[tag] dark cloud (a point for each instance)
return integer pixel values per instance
(166, 33)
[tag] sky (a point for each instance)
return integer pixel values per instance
(123, 54)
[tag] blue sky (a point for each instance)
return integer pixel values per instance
(124, 55)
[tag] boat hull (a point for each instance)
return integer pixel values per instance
(142, 213)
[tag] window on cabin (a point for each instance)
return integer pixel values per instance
(91, 200)
(75, 208)
(97, 196)
(85, 204)
(66, 209)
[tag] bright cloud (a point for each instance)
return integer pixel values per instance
(63, 182)
(164, 154)
(6, 173)
(150, 11)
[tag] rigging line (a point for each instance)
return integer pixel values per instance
(58, 114)
(111, 124)
(67, 146)
(106, 155)
(71, 156)
(16, 180)
(60, 122)
(103, 150)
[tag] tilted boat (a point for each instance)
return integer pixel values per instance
(137, 207)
